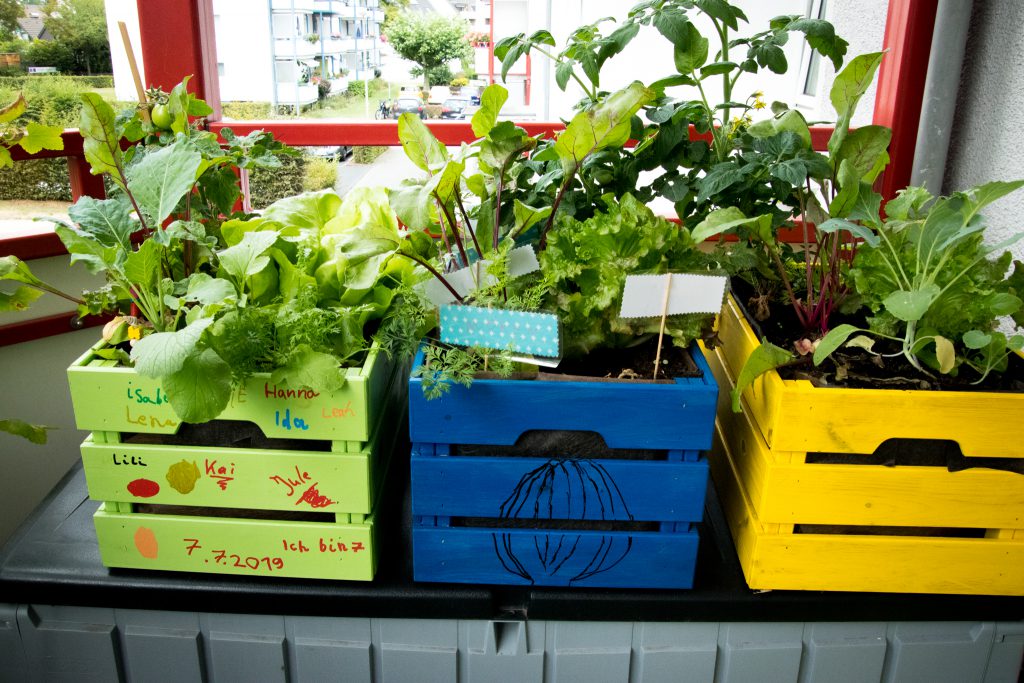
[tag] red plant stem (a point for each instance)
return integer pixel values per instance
(455, 229)
(433, 271)
(554, 209)
(800, 314)
(497, 198)
(469, 227)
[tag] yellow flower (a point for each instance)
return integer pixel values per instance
(759, 103)
(758, 94)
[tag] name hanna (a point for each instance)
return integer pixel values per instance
(274, 391)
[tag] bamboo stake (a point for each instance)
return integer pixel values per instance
(661, 330)
(139, 88)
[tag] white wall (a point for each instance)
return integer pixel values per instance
(128, 12)
(244, 48)
(36, 390)
(985, 140)
(862, 23)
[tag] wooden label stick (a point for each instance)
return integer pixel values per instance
(139, 88)
(661, 329)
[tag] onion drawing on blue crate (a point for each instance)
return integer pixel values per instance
(569, 558)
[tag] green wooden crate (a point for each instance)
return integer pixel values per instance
(117, 399)
(345, 550)
(254, 478)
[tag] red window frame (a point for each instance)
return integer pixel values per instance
(178, 39)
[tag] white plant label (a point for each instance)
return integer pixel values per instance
(521, 260)
(644, 295)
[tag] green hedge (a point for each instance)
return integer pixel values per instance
(86, 82)
(367, 154)
(41, 179)
(47, 179)
(320, 174)
(52, 100)
(268, 185)
(246, 111)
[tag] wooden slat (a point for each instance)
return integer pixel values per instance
(627, 415)
(246, 547)
(796, 416)
(624, 490)
(515, 557)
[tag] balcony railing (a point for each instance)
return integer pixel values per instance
(295, 93)
(303, 6)
(297, 47)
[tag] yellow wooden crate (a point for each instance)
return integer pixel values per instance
(772, 495)
(794, 415)
(774, 557)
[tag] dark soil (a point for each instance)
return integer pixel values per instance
(852, 368)
(631, 364)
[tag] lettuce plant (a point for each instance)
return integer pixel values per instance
(222, 294)
(932, 284)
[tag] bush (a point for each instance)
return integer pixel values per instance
(50, 53)
(85, 82)
(432, 111)
(438, 75)
(39, 179)
(246, 111)
(459, 82)
(52, 100)
(320, 174)
(323, 89)
(355, 88)
(367, 154)
(268, 185)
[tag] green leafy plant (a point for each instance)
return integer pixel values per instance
(429, 41)
(682, 164)
(32, 137)
(509, 189)
(931, 283)
(222, 294)
(778, 152)
(33, 433)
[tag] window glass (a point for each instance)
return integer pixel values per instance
(52, 58)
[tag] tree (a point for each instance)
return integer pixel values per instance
(10, 12)
(80, 26)
(429, 40)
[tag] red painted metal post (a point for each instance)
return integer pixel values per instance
(490, 47)
(83, 182)
(178, 40)
(908, 37)
(529, 78)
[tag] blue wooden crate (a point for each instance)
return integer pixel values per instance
(620, 514)
(665, 415)
(557, 521)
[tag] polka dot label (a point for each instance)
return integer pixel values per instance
(494, 328)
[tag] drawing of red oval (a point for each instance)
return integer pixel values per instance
(143, 488)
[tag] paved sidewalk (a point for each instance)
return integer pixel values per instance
(387, 170)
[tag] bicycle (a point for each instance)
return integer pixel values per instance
(383, 111)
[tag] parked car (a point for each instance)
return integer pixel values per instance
(472, 92)
(403, 105)
(330, 152)
(454, 108)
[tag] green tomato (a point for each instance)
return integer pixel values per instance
(161, 116)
